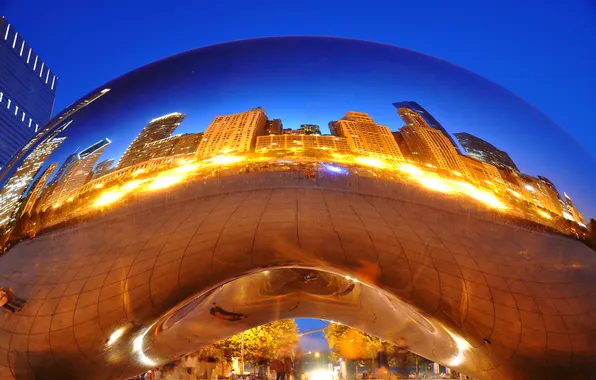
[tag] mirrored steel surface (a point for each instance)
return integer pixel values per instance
(173, 207)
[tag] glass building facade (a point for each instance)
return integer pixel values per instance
(27, 91)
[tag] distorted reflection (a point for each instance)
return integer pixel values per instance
(263, 180)
(218, 312)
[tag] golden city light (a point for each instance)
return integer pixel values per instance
(166, 180)
(108, 197)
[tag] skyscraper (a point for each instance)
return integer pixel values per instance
(483, 173)
(484, 151)
(571, 210)
(187, 143)
(103, 168)
(414, 114)
(403, 146)
(366, 137)
(537, 192)
(54, 127)
(235, 133)
(27, 92)
(36, 188)
(550, 184)
(274, 127)
(77, 173)
(21, 178)
(156, 129)
(430, 146)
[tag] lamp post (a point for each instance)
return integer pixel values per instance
(242, 355)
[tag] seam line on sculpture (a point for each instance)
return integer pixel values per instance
(254, 236)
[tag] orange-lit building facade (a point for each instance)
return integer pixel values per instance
(302, 143)
(483, 174)
(365, 137)
(235, 133)
(430, 146)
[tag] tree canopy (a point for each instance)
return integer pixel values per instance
(259, 342)
(352, 344)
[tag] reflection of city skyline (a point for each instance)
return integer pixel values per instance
(329, 77)
(421, 140)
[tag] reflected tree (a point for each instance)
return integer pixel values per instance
(259, 342)
(355, 345)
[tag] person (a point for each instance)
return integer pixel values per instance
(261, 361)
(382, 362)
(347, 291)
(298, 365)
(13, 303)
(4, 301)
(288, 364)
(218, 312)
(157, 374)
(279, 365)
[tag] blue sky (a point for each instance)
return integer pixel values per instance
(541, 51)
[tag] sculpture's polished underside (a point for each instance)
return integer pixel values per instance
(460, 285)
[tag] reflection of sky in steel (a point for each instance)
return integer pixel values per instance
(316, 80)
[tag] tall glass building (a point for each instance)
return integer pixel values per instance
(27, 91)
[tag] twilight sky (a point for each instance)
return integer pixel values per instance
(543, 52)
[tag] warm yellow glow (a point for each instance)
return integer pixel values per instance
(435, 183)
(137, 172)
(98, 185)
(108, 197)
(425, 176)
(544, 215)
(462, 347)
(166, 180)
(132, 185)
(137, 346)
(568, 216)
(371, 161)
(515, 193)
(186, 168)
(410, 169)
(486, 197)
(116, 335)
(320, 374)
(224, 160)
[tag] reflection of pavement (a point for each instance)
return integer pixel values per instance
(530, 294)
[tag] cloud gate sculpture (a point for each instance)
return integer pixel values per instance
(298, 177)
